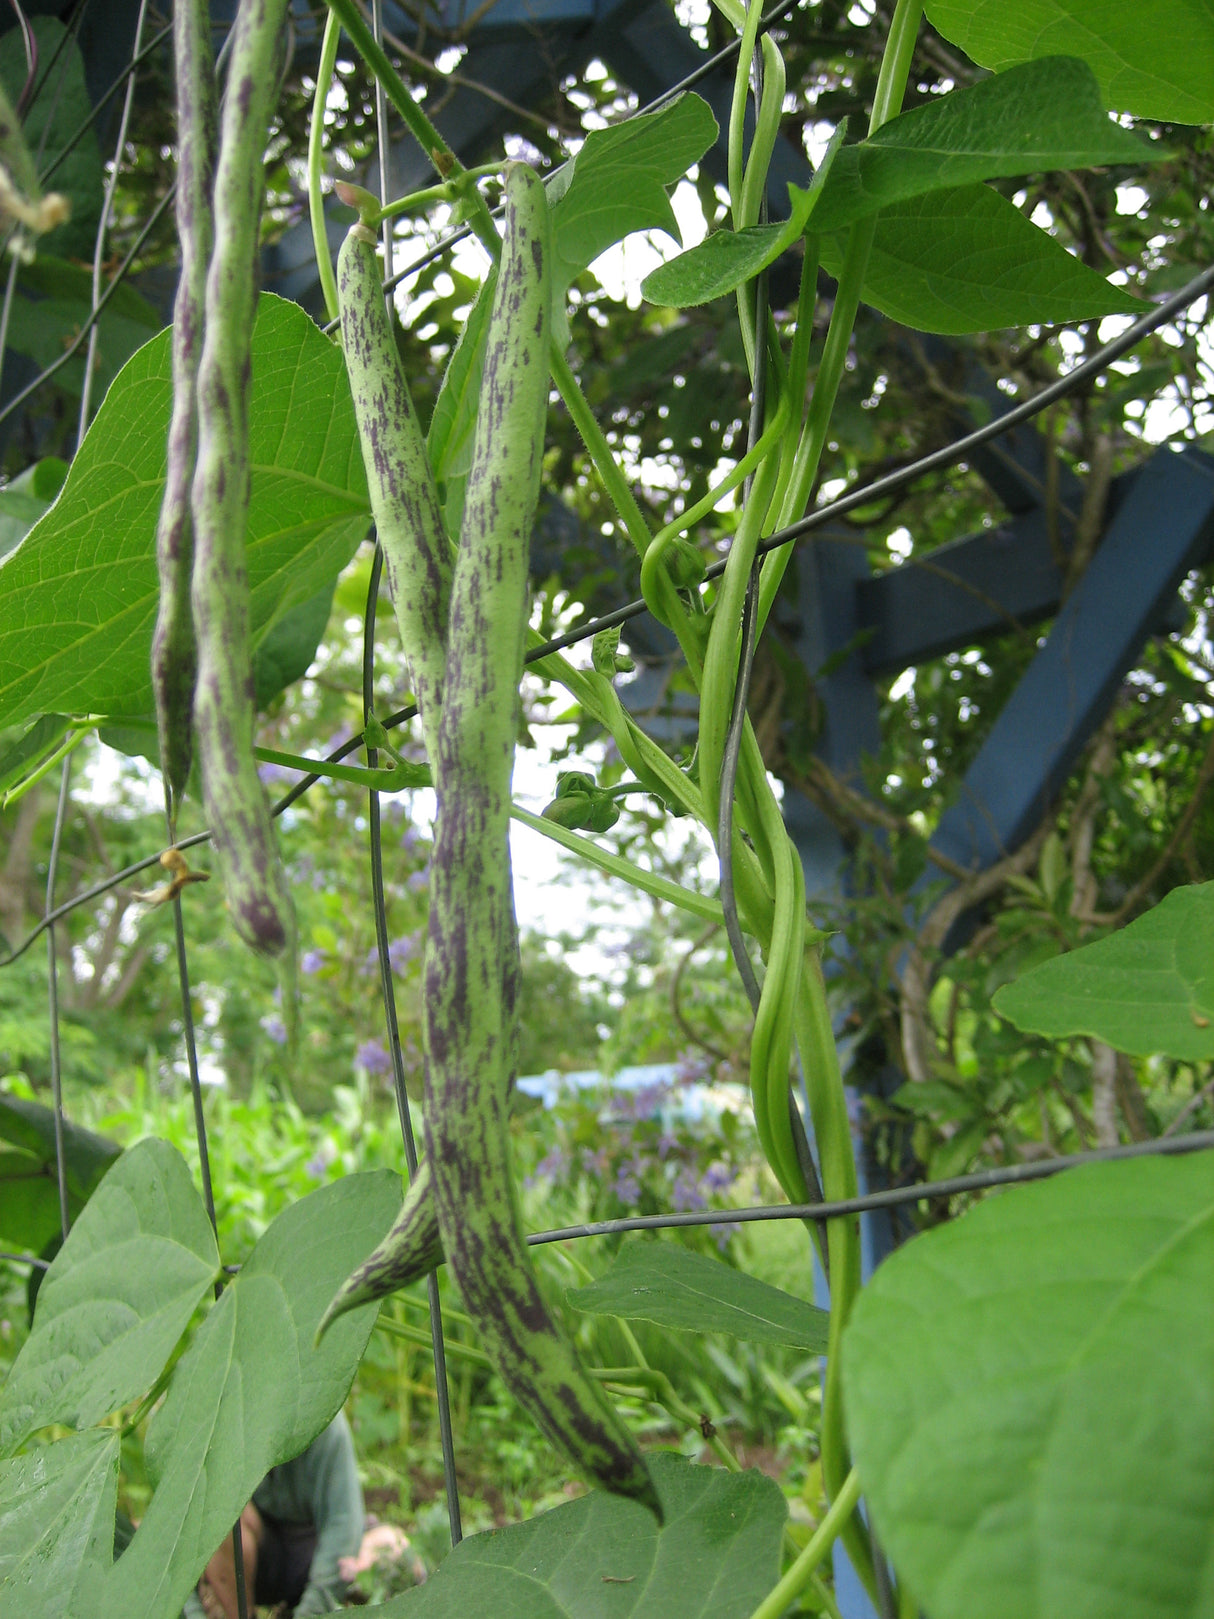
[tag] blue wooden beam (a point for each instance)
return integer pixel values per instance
(1163, 527)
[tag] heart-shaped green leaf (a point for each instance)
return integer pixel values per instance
(1154, 60)
(667, 1284)
(78, 596)
(1039, 116)
(1147, 988)
(251, 1391)
(727, 258)
(1030, 1400)
(605, 1558)
(967, 260)
(57, 1526)
(117, 1298)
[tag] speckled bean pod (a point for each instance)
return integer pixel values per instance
(255, 884)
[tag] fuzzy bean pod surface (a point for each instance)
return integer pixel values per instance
(470, 1012)
(256, 888)
(404, 498)
(174, 652)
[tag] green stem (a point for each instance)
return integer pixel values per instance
(47, 765)
(419, 126)
(799, 1575)
(394, 779)
(701, 905)
(658, 1388)
(595, 440)
(453, 1347)
(447, 191)
(316, 136)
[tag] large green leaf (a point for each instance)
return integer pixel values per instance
(251, 1391)
(727, 258)
(1030, 1400)
(25, 498)
(605, 1558)
(118, 1296)
(1145, 989)
(57, 1526)
(78, 596)
(967, 260)
(617, 183)
(1043, 115)
(667, 1284)
(29, 1187)
(1155, 60)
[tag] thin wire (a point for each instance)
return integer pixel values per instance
(91, 319)
(442, 1392)
(103, 101)
(983, 1180)
(191, 1048)
(30, 42)
(53, 997)
(86, 391)
(944, 457)
(26, 1259)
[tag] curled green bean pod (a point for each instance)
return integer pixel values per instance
(256, 888)
(471, 956)
(404, 498)
(174, 652)
(411, 1249)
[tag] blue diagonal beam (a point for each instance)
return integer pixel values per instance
(1163, 527)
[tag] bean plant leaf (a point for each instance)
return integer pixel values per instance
(1043, 115)
(727, 258)
(1147, 988)
(57, 1525)
(286, 651)
(449, 440)
(1029, 1401)
(251, 1391)
(616, 183)
(29, 1190)
(118, 1296)
(55, 298)
(967, 260)
(673, 1287)
(78, 596)
(603, 1557)
(1155, 61)
(25, 498)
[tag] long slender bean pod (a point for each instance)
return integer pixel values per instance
(257, 892)
(404, 498)
(411, 1248)
(174, 652)
(471, 950)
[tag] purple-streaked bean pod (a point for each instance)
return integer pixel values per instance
(404, 499)
(470, 1000)
(255, 884)
(174, 652)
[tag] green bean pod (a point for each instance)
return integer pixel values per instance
(256, 887)
(404, 498)
(471, 956)
(411, 1249)
(174, 651)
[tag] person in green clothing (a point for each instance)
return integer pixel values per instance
(305, 1516)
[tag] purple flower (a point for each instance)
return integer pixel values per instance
(627, 1186)
(372, 1056)
(554, 1165)
(320, 1161)
(419, 881)
(723, 1235)
(313, 961)
(685, 1194)
(401, 951)
(275, 1028)
(718, 1177)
